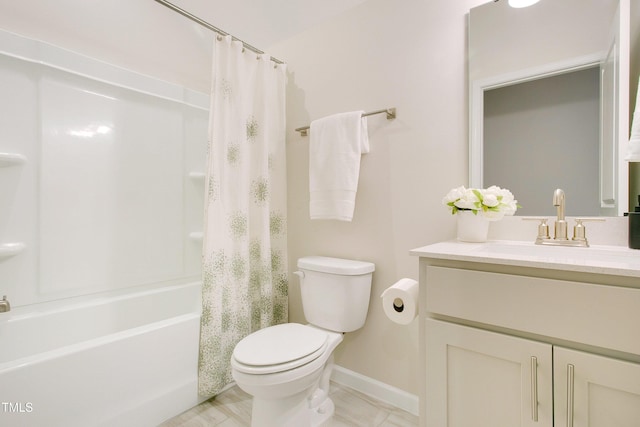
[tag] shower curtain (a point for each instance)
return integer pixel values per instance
(244, 250)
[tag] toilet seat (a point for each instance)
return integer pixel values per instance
(279, 348)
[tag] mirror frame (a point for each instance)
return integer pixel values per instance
(476, 106)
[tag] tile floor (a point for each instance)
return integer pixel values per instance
(233, 409)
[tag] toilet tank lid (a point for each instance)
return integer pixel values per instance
(345, 267)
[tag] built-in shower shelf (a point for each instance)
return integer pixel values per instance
(10, 249)
(196, 235)
(11, 159)
(197, 176)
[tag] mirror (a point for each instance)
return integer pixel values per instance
(549, 104)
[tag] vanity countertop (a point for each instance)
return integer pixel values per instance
(610, 260)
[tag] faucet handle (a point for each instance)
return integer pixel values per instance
(543, 229)
(4, 305)
(579, 230)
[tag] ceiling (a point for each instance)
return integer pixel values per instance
(262, 23)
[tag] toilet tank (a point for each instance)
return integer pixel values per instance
(335, 292)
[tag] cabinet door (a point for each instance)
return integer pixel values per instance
(595, 391)
(484, 379)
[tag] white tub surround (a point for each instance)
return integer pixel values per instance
(97, 256)
(95, 175)
(517, 334)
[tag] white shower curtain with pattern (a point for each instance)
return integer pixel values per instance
(244, 250)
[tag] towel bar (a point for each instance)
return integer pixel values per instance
(390, 112)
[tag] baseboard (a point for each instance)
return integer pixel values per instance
(377, 389)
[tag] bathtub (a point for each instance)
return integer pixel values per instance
(120, 359)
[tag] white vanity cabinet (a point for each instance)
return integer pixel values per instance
(481, 378)
(518, 341)
(594, 390)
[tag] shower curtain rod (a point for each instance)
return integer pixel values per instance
(212, 27)
(390, 112)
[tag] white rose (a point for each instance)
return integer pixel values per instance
(453, 195)
(507, 196)
(490, 200)
(493, 203)
(468, 200)
(510, 208)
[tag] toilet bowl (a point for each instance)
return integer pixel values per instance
(286, 384)
(287, 367)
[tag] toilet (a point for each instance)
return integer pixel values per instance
(287, 367)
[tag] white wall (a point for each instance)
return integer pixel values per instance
(410, 55)
(140, 35)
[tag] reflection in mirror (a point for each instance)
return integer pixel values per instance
(549, 102)
(551, 122)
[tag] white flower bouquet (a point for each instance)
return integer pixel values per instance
(493, 203)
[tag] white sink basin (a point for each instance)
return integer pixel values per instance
(594, 254)
(616, 260)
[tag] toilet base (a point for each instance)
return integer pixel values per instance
(322, 413)
(309, 408)
(294, 411)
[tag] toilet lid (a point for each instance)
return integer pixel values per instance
(280, 347)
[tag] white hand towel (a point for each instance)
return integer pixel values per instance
(335, 147)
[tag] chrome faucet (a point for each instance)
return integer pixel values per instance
(560, 227)
(4, 305)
